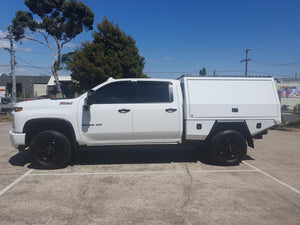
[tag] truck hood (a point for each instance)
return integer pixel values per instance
(46, 103)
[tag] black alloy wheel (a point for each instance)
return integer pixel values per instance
(228, 148)
(50, 149)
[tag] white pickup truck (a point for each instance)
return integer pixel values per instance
(226, 113)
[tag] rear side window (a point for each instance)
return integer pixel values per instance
(115, 93)
(154, 92)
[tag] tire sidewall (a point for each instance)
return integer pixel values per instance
(61, 139)
(215, 147)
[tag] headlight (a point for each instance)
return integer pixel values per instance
(18, 109)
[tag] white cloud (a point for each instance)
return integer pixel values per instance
(19, 71)
(4, 70)
(2, 34)
(22, 71)
(19, 49)
(70, 45)
(4, 44)
(160, 60)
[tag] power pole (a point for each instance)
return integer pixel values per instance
(246, 60)
(12, 64)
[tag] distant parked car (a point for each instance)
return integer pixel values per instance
(284, 107)
(6, 101)
(6, 105)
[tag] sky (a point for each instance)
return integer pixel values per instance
(181, 37)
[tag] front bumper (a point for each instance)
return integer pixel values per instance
(17, 139)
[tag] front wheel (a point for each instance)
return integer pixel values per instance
(228, 148)
(50, 149)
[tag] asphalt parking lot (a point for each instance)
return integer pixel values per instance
(170, 185)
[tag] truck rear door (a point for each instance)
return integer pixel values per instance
(157, 112)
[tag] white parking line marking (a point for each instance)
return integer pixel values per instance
(274, 178)
(104, 173)
(29, 173)
(140, 172)
(15, 182)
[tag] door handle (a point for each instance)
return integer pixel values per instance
(124, 110)
(170, 110)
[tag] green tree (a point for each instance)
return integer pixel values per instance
(60, 19)
(202, 72)
(112, 53)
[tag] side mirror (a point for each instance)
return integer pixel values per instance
(90, 97)
(89, 100)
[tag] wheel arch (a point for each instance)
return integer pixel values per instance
(35, 126)
(239, 126)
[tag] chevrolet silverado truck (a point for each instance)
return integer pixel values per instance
(225, 113)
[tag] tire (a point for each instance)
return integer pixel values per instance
(228, 148)
(49, 149)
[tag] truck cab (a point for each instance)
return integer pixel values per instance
(131, 112)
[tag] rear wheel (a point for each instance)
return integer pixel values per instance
(50, 149)
(228, 148)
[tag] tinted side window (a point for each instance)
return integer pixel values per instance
(152, 92)
(120, 92)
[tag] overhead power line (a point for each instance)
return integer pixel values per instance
(37, 67)
(284, 64)
(224, 73)
(34, 66)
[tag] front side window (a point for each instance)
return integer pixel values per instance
(115, 93)
(155, 92)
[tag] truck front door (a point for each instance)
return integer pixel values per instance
(109, 118)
